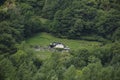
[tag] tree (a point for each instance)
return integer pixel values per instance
(107, 73)
(77, 30)
(116, 35)
(7, 70)
(115, 49)
(7, 41)
(70, 73)
(91, 72)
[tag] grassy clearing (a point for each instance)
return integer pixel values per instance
(44, 39)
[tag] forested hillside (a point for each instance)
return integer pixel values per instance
(72, 20)
(84, 17)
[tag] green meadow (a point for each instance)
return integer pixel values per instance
(44, 39)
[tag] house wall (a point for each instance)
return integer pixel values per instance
(59, 46)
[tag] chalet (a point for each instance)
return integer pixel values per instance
(57, 45)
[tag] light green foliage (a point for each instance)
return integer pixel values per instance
(70, 73)
(7, 70)
(91, 70)
(116, 54)
(106, 73)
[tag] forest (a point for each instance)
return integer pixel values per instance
(75, 20)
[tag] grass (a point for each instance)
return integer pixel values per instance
(44, 39)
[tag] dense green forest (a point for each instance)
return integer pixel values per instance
(89, 20)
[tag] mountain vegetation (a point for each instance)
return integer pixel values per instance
(71, 20)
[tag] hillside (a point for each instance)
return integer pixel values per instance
(84, 37)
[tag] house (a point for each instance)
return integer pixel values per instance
(57, 45)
